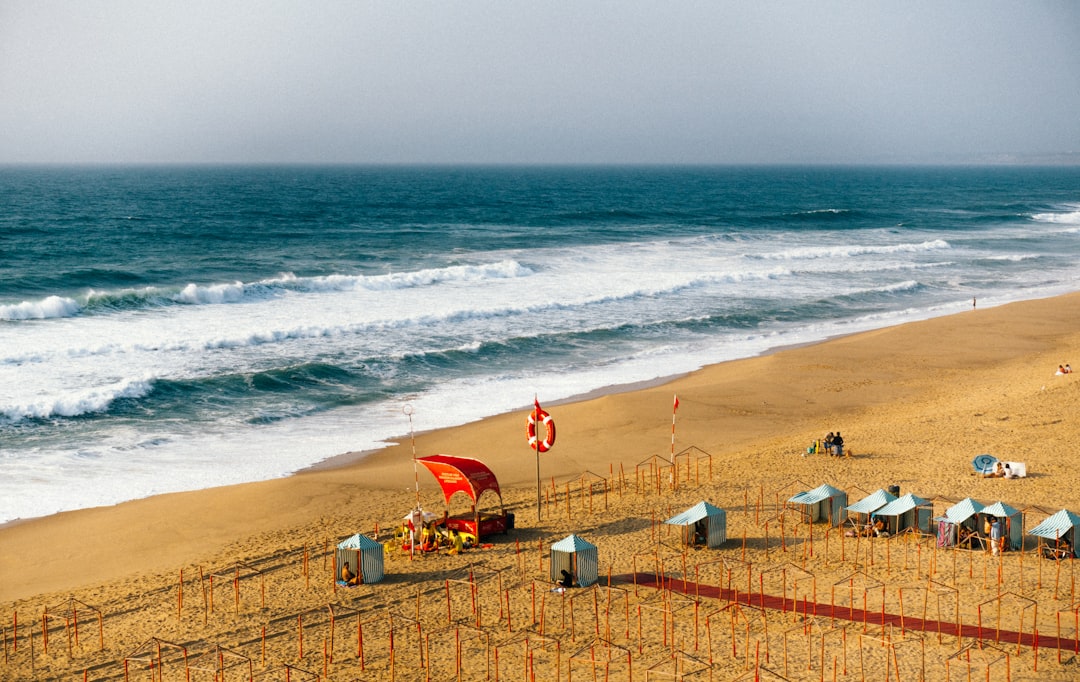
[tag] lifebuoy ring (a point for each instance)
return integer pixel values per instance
(549, 430)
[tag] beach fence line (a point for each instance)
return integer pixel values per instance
(900, 593)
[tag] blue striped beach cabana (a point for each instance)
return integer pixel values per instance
(576, 556)
(823, 502)
(710, 520)
(1061, 525)
(964, 513)
(870, 504)
(1014, 522)
(908, 511)
(363, 552)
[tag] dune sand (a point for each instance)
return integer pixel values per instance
(241, 577)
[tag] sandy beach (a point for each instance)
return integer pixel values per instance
(240, 579)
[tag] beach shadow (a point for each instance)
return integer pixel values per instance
(621, 526)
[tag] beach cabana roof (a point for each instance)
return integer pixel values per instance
(901, 505)
(818, 494)
(1057, 525)
(572, 543)
(872, 502)
(1000, 510)
(963, 510)
(461, 475)
(359, 541)
(696, 513)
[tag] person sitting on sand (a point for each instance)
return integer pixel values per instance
(966, 538)
(567, 579)
(1068, 368)
(1059, 550)
(347, 576)
(997, 472)
(880, 530)
(459, 544)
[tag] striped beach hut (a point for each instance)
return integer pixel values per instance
(702, 520)
(363, 552)
(909, 511)
(1063, 524)
(823, 502)
(870, 504)
(577, 557)
(1014, 522)
(964, 513)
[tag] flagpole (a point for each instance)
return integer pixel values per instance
(408, 410)
(536, 451)
(674, 409)
(674, 467)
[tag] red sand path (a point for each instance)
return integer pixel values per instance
(850, 613)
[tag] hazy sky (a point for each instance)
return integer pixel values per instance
(546, 81)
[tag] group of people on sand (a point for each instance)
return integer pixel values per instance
(1001, 470)
(832, 444)
(1061, 549)
(433, 536)
(875, 527)
(1064, 369)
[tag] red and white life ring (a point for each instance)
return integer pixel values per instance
(549, 430)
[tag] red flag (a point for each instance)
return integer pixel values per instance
(676, 403)
(536, 402)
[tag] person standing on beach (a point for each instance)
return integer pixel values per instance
(995, 536)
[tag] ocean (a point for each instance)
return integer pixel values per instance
(176, 328)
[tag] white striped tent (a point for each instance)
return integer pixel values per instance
(957, 515)
(909, 511)
(1063, 524)
(870, 504)
(363, 552)
(709, 519)
(1014, 522)
(823, 502)
(577, 557)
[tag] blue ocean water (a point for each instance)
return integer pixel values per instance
(173, 328)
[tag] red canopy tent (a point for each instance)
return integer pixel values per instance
(473, 478)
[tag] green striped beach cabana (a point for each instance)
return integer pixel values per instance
(709, 519)
(955, 516)
(1014, 522)
(364, 555)
(908, 511)
(823, 502)
(870, 504)
(1061, 525)
(578, 557)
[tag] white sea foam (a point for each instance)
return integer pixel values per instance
(50, 307)
(1071, 216)
(844, 251)
(76, 403)
(76, 366)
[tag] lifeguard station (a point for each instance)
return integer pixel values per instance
(472, 478)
